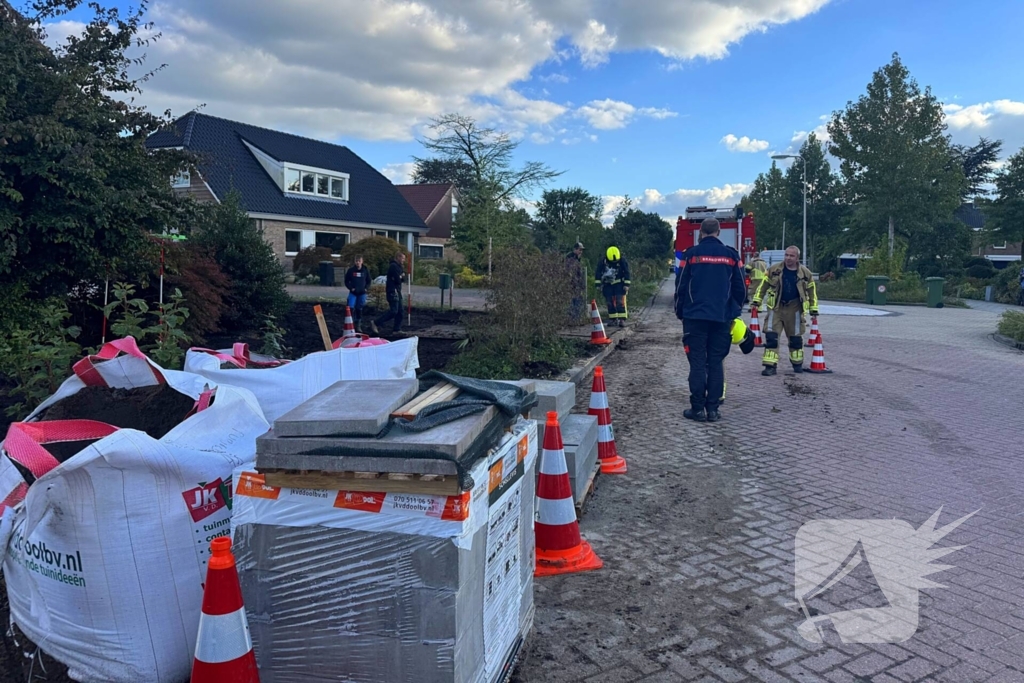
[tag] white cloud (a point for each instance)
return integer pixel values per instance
(555, 78)
(400, 173)
(743, 144)
(981, 116)
(540, 138)
(381, 69)
(610, 114)
(674, 204)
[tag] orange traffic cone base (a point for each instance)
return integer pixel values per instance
(616, 465)
(582, 558)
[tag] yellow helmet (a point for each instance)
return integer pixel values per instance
(613, 254)
(739, 331)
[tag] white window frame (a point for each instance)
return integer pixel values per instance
(182, 181)
(455, 207)
(292, 253)
(332, 176)
(998, 247)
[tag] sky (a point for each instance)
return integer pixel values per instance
(673, 102)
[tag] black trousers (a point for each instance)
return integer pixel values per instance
(706, 344)
(394, 312)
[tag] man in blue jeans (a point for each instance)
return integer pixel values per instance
(357, 280)
(709, 296)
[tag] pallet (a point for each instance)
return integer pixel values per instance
(588, 489)
(378, 482)
(435, 394)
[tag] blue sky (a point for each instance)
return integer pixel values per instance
(626, 97)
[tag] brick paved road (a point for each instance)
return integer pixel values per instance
(698, 539)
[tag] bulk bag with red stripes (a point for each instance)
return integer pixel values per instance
(105, 553)
(280, 386)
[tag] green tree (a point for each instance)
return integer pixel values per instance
(825, 209)
(1007, 211)
(78, 190)
(979, 165)
(769, 202)
(480, 159)
(641, 235)
(894, 155)
(567, 216)
(257, 280)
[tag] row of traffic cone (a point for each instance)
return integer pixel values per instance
(817, 355)
(560, 548)
(224, 651)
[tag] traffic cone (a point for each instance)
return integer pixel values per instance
(607, 454)
(224, 651)
(755, 327)
(597, 335)
(818, 355)
(350, 338)
(560, 549)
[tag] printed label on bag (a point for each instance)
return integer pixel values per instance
(57, 564)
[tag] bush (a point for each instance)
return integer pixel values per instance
(257, 279)
(307, 261)
(203, 285)
(981, 272)
(426, 274)
(1011, 325)
(978, 261)
(467, 279)
(377, 253)
(1005, 284)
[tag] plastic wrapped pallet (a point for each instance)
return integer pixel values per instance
(390, 588)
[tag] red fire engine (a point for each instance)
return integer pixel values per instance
(738, 230)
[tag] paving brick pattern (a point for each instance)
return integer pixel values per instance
(922, 411)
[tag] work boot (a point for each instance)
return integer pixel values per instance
(769, 371)
(373, 328)
(695, 415)
(798, 368)
(714, 416)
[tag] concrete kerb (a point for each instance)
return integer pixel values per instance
(1007, 342)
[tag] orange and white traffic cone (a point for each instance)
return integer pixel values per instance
(350, 338)
(818, 355)
(224, 651)
(597, 335)
(560, 548)
(755, 327)
(607, 454)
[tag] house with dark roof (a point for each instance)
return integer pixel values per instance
(437, 204)
(302, 192)
(1001, 254)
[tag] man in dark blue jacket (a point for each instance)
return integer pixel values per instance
(709, 295)
(393, 290)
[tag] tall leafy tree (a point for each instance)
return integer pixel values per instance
(824, 207)
(979, 165)
(769, 202)
(78, 190)
(565, 216)
(443, 171)
(894, 155)
(1007, 211)
(641, 235)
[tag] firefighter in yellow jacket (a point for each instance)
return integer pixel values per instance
(757, 270)
(789, 294)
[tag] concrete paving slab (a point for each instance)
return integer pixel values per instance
(347, 408)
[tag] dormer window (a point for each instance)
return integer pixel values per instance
(326, 184)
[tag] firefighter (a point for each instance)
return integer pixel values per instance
(756, 271)
(789, 293)
(613, 278)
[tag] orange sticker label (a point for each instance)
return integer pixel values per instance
(360, 500)
(456, 508)
(254, 485)
(523, 447)
(497, 474)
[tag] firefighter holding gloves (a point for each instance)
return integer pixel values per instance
(787, 294)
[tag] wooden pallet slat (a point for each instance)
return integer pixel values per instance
(435, 394)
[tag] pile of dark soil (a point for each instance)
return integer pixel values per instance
(155, 410)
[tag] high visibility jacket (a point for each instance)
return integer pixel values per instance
(770, 289)
(612, 272)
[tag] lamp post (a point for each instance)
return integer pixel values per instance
(803, 253)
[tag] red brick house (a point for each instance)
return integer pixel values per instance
(301, 192)
(437, 205)
(1000, 254)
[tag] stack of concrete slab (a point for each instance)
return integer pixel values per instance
(579, 435)
(385, 585)
(559, 397)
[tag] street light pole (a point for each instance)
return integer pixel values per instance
(803, 252)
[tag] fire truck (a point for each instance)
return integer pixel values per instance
(738, 230)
